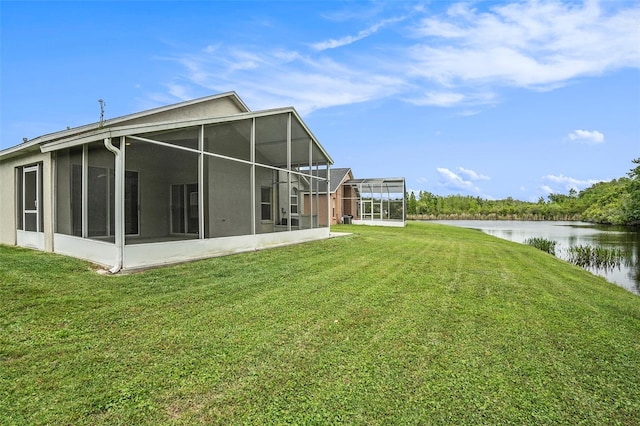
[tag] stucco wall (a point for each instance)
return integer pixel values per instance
(9, 198)
(228, 199)
(214, 108)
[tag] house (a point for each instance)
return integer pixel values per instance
(196, 179)
(337, 178)
(375, 201)
(372, 201)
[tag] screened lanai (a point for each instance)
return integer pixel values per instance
(375, 201)
(157, 193)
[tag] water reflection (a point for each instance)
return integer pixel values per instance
(568, 234)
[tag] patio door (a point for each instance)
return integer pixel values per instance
(31, 206)
(367, 209)
(184, 209)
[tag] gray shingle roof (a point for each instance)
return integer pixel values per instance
(337, 176)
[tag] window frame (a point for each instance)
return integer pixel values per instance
(268, 204)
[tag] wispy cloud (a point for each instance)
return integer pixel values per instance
(274, 78)
(333, 43)
(460, 58)
(443, 99)
(586, 136)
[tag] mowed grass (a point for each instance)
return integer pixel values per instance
(424, 325)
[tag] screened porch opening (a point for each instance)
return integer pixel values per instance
(248, 176)
(167, 164)
(85, 193)
(374, 200)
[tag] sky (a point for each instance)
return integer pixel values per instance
(484, 98)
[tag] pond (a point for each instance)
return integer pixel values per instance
(568, 234)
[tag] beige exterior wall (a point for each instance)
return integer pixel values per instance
(214, 108)
(9, 197)
(336, 207)
(343, 206)
(322, 207)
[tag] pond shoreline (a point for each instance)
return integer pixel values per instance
(494, 217)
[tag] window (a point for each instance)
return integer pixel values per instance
(333, 207)
(294, 202)
(295, 220)
(265, 203)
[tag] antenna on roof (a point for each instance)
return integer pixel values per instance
(102, 105)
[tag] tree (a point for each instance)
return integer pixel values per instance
(412, 204)
(632, 204)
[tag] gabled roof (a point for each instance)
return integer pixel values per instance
(337, 177)
(389, 185)
(155, 114)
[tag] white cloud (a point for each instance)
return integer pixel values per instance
(443, 99)
(333, 43)
(469, 112)
(461, 58)
(569, 182)
(472, 175)
(525, 44)
(179, 91)
(586, 136)
(452, 181)
(530, 45)
(273, 78)
(547, 189)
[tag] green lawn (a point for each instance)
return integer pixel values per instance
(424, 325)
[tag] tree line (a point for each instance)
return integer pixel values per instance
(616, 202)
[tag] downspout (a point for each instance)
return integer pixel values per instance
(118, 199)
(329, 199)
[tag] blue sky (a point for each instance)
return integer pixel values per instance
(490, 99)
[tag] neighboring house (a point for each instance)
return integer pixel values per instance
(376, 201)
(373, 201)
(339, 193)
(186, 181)
(337, 177)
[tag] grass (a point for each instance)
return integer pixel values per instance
(424, 325)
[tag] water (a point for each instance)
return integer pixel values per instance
(568, 234)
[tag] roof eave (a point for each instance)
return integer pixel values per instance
(88, 128)
(111, 132)
(18, 150)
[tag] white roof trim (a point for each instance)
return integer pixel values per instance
(114, 132)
